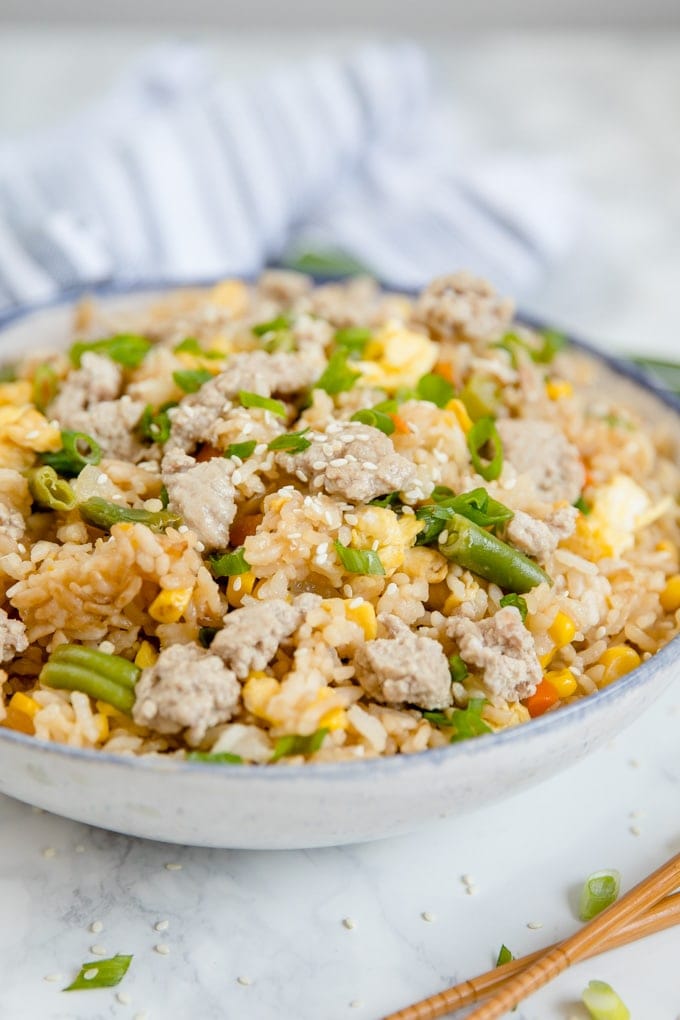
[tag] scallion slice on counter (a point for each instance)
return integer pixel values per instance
(104, 677)
(128, 349)
(45, 386)
(482, 432)
(101, 513)
(600, 890)
(293, 743)
(512, 599)
(215, 758)
(264, 403)
(504, 956)
(377, 419)
(434, 388)
(337, 377)
(241, 450)
(191, 379)
(100, 974)
(229, 564)
(272, 325)
(291, 442)
(77, 451)
(359, 561)
(354, 339)
(50, 491)
(603, 1003)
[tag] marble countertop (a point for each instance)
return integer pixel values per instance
(344, 933)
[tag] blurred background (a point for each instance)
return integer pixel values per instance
(587, 92)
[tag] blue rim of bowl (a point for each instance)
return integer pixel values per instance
(599, 701)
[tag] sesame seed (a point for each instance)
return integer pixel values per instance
(107, 647)
(408, 510)
(391, 589)
(182, 529)
(301, 475)
(49, 852)
(80, 849)
(90, 975)
(349, 923)
(163, 949)
(243, 980)
(355, 603)
(171, 866)
(102, 479)
(351, 519)
(370, 466)
(52, 977)
(236, 477)
(634, 763)
(319, 465)
(123, 998)
(237, 583)
(21, 547)
(471, 890)
(347, 591)
(444, 537)
(535, 925)
(317, 482)
(98, 950)
(467, 879)
(427, 916)
(141, 1016)
(96, 927)
(338, 462)
(635, 831)
(375, 545)
(161, 925)
(355, 1004)
(322, 547)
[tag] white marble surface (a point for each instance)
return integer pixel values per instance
(609, 106)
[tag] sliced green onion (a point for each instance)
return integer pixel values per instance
(337, 377)
(295, 744)
(8, 373)
(480, 396)
(273, 325)
(600, 890)
(127, 349)
(217, 758)
(241, 450)
(553, 342)
(434, 388)
(107, 974)
(77, 451)
(465, 722)
(457, 669)
(512, 599)
(104, 677)
(156, 426)
(435, 519)
(603, 1003)
(354, 339)
(482, 432)
(103, 514)
(331, 262)
(359, 561)
(189, 346)
(164, 496)
(191, 379)
(392, 500)
(281, 341)
(369, 416)
(229, 564)
(291, 442)
(265, 403)
(387, 406)
(512, 344)
(504, 956)
(584, 507)
(441, 493)
(205, 636)
(482, 553)
(478, 506)
(49, 490)
(45, 386)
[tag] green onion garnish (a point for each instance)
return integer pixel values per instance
(188, 346)
(191, 379)
(434, 388)
(217, 758)
(241, 450)
(8, 373)
(205, 636)
(477, 505)
(337, 377)
(295, 744)
(482, 432)
(272, 325)
(229, 564)
(584, 507)
(553, 342)
(512, 599)
(600, 890)
(480, 396)
(441, 493)
(103, 514)
(127, 349)
(265, 403)
(465, 722)
(354, 339)
(45, 386)
(603, 1003)
(504, 956)
(100, 974)
(369, 416)
(156, 426)
(164, 496)
(392, 500)
(48, 490)
(359, 561)
(77, 451)
(291, 442)
(482, 553)
(457, 669)
(109, 678)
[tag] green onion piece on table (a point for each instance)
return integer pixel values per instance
(216, 758)
(50, 491)
(128, 349)
(191, 379)
(272, 325)
(512, 599)
(359, 561)
(603, 1003)
(337, 377)
(291, 442)
(480, 396)
(295, 744)
(241, 450)
(104, 677)
(354, 339)
(457, 668)
(482, 432)
(103, 514)
(434, 388)
(379, 420)
(600, 890)
(229, 564)
(100, 974)
(504, 956)
(482, 553)
(8, 373)
(77, 451)
(189, 346)
(264, 403)
(45, 386)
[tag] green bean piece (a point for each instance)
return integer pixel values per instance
(484, 554)
(45, 386)
(482, 432)
(108, 678)
(77, 451)
(49, 490)
(103, 514)
(480, 396)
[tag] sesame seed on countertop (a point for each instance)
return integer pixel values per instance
(534, 925)
(123, 998)
(161, 926)
(163, 949)
(427, 916)
(173, 866)
(49, 851)
(244, 980)
(349, 923)
(52, 977)
(96, 927)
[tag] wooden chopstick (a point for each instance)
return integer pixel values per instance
(663, 914)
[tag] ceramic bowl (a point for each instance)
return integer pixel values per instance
(312, 805)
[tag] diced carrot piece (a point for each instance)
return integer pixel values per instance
(543, 698)
(19, 721)
(445, 370)
(400, 424)
(242, 527)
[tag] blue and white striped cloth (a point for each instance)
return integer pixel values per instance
(178, 176)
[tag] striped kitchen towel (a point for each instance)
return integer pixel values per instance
(178, 176)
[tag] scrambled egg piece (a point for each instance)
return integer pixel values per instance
(390, 536)
(619, 509)
(23, 432)
(399, 357)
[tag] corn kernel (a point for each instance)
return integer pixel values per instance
(104, 708)
(22, 703)
(562, 630)
(563, 681)
(102, 722)
(451, 604)
(546, 659)
(18, 721)
(239, 586)
(335, 719)
(364, 615)
(670, 596)
(231, 294)
(146, 655)
(557, 389)
(169, 605)
(461, 414)
(258, 690)
(617, 661)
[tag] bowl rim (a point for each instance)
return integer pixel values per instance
(352, 768)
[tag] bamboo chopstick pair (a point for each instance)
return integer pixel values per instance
(649, 907)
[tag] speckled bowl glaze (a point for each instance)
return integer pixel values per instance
(313, 805)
